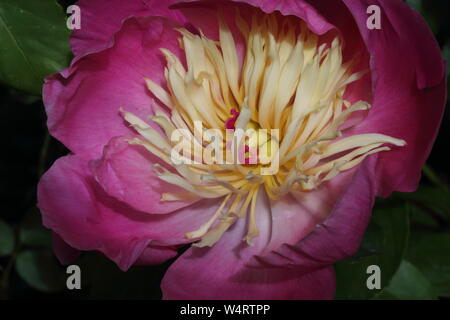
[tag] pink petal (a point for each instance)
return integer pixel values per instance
(222, 272)
(101, 19)
(339, 236)
(75, 207)
(291, 257)
(299, 8)
(83, 102)
(258, 284)
(408, 88)
(155, 254)
(126, 172)
(296, 215)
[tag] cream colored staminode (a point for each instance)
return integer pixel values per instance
(287, 82)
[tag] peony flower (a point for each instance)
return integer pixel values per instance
(356, 111)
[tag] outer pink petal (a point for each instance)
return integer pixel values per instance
(82, 103)
(260, 284)
(271, 269)
(101, 19)
(126, 172)
(222, 272)
(408, 88)
(75, 207)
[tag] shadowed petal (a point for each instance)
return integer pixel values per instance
(75, 207)
(126, 172)
(408, 89)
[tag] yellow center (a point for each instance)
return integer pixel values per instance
(288, 82)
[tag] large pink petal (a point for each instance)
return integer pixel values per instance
(75, 207)
(101, 19)
(221, 272)
(83, 102)
(289, 255)
(126, 172)
(408, 89)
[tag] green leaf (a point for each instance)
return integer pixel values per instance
(408, 283)
(423, 219)
(40, 270)
(34, 42)
(372, 243)
(434, 198)
(32, 232)
(6, 239)
(387, 238)
(430, 252)
(415, 4)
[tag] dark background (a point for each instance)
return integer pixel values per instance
(28, 151)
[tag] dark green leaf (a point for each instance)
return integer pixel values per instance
(423, 219)
(433, 198)
(372, 242)
(415, 4)
(408, 283)
(34, 42)
(387, 239)
(430, 252)
(6, 239)
(32, 232)
(41, 270)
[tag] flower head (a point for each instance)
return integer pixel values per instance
(328, 125)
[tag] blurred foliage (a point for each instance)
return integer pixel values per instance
(407, 283)
(386, 240)
(6, 239)
(430, 253)
(34, 42)
(408, 237)
(40, 270)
